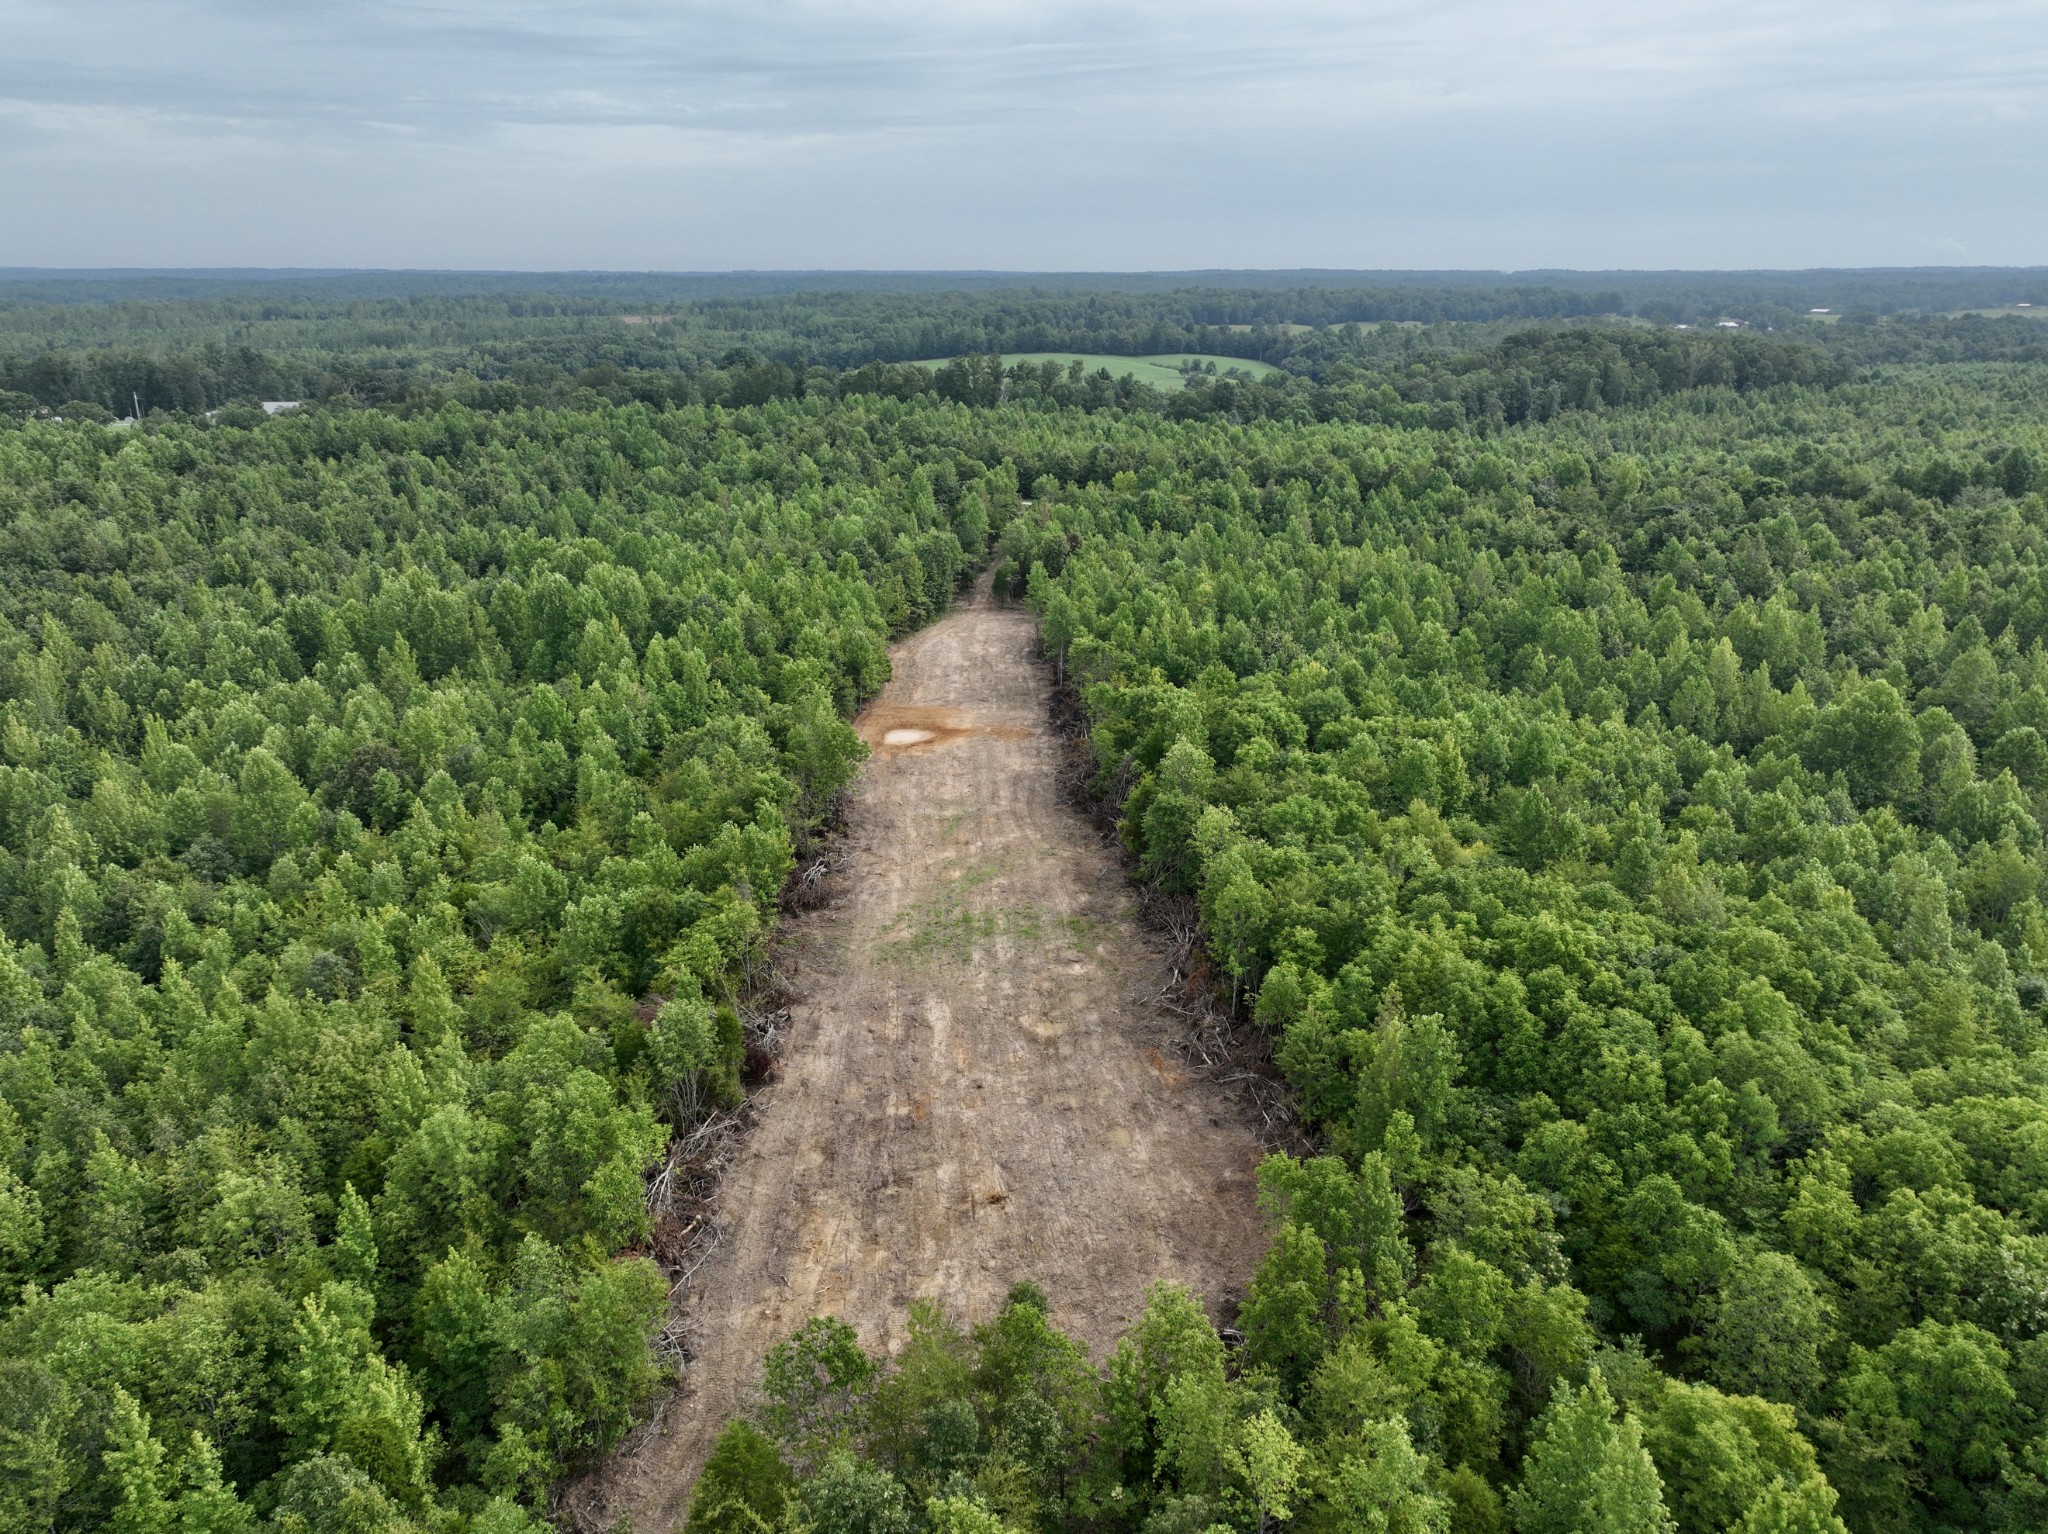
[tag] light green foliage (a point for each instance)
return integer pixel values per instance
(1726, 1460)
(1171, 1340)
(1184, 1515)
(1805, 1509)
(1381, 1486)
(343, 1397)
(153, 1496)
(1270, 1461)
(1356, 1385)
(816, 1387)
(208, 1505)
(1358, 1217)
(1586, 1473)
(1197, 1426)
(134, 1461)
(848, 1496)
(1036, 1393)
(1463, 1302)
(1007, 1427)
(327, 1493)
(964, 1515)
(38, 1449)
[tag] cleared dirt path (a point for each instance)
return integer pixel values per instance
(974, 1090)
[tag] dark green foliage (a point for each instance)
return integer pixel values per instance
(1007, 1429)
(816, 1389)
(1585, 1473)
(743, 1486)
(1629, 834)
(1610, 762)
(389, 813)
(1283, 1317)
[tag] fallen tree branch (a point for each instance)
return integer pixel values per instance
(1208, 1035)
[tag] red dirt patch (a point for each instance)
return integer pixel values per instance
(914, 727)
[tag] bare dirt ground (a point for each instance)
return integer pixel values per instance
(978, 1086)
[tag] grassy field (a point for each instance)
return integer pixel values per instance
(1162, 371)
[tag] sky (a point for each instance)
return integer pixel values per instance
(1052, 135)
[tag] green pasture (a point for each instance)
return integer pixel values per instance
(1162, 371)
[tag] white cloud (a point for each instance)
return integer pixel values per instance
(988, 133)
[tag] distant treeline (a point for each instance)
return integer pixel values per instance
(1522, 375)
(494, 335)
(1931, 289)
(189, 341)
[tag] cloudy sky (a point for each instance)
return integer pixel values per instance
(1055, 134)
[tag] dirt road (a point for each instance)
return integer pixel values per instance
(974, 1091)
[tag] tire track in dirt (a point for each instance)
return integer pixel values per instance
(974, 1090)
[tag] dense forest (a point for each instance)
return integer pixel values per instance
(389, 811)
(1609, 765)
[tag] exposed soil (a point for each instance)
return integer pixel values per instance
(978, 1085)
